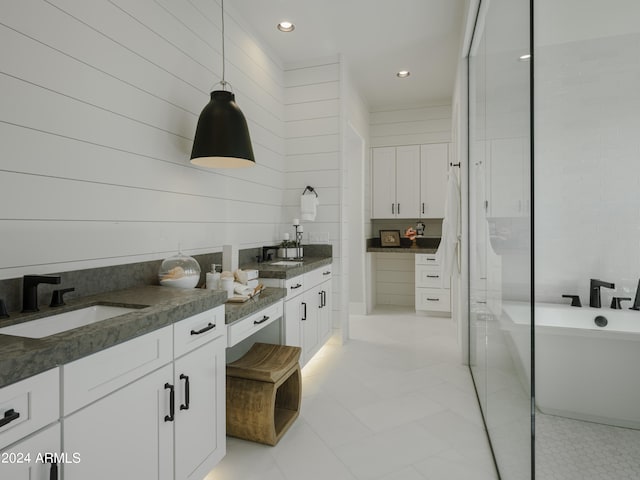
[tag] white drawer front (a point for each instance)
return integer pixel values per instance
(90, 378)
(242, 329)
(427, 259)
(317, 276)
(29, 405)
(190, 333)
(295, 286)
(430, 277)
(433, 299)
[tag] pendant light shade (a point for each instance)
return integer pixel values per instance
(222, 136)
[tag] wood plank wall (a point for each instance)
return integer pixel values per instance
(99, 104)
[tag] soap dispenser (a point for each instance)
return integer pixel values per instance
(213, 278)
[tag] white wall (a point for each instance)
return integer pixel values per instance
(395, 278)
(587, 174)
(410, 126)
(99, 105)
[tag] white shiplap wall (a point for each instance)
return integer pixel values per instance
(99, 104)
(313, 146)
(395, 278)
(410, 126)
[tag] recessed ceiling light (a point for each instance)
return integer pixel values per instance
(286, 27)
(403, 73)
(525, 57)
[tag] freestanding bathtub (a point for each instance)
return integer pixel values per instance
(583, 371)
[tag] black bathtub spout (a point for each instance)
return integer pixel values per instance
(594, 292)
(636, 302)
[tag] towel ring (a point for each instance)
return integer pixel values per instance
(309, 189)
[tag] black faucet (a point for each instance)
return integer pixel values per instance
(594, 292)
(636, 302)
(30, 290)
(3, 310)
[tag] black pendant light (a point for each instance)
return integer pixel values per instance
(222, 136)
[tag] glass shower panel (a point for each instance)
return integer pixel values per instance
(500, 230)
(587, 184)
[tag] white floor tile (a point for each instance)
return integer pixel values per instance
(394, 403)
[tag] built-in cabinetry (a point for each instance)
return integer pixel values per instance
(307, 310)
(26, 408)
(433, 288)
(409, 181)
(151, 408)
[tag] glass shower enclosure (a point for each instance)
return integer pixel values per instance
(554, 207)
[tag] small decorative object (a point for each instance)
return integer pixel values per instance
(289, 249)
(389, 238)
(410, 233)
(180, 271)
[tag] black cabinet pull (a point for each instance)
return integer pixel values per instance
(393, 206)
(53, 472)
(324, 298)
(433, 299)
(321, 302)
(258, 322)
(205, 329)
(185, 405)
(295, 286)
(304, 317)
(422, 207)
(433, 276)
(398, 209)
(326, 273)
(172, 402)
(9, 416)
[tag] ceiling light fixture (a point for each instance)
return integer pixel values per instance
(403, 73)
(286, 26)
(222, 136)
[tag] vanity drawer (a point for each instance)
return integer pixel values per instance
(429, 276)
(433, 299)
(317, 276)
(427, 259)
(238, 331)
(28, 405)
(295, 286)
(190, 333)
(87, 379)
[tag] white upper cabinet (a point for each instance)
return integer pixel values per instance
(409, 181)
(433, 179)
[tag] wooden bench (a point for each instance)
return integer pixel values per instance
(263, 393)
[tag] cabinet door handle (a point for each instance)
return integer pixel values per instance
(172, 402)
(324, 298)
(433, 299)
(258, 322)
(393, 206)
(304, 316)
(9, 416)
(203, 330)
(326, 273)
(321, 302)
(398, 209)
(422, 207)
(53, 472)
(293, 287)
(431, 259)
(187, 388)
(433, 276)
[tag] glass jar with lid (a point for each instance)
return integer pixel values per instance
(180, 271)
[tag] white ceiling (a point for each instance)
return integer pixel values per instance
(376, 37)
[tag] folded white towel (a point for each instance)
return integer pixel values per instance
(308, 207)
(241, 289)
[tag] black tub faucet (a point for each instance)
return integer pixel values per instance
(594, 292)
(636, 302)
(30, 290)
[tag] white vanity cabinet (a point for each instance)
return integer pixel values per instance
(433, 288)
(29, 413)
(307, 310)
(149, 408)
(200, 405)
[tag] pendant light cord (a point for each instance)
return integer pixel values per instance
(223, 82)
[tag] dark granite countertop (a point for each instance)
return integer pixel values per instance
(423, 245)
(22, 357)
(267, 270)
(237, 311)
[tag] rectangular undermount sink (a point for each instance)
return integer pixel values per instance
(287, 263)
(61, 322)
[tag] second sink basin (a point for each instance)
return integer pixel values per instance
(288, 263)
(61, 322)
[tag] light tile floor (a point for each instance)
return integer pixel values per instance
(394, 403)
